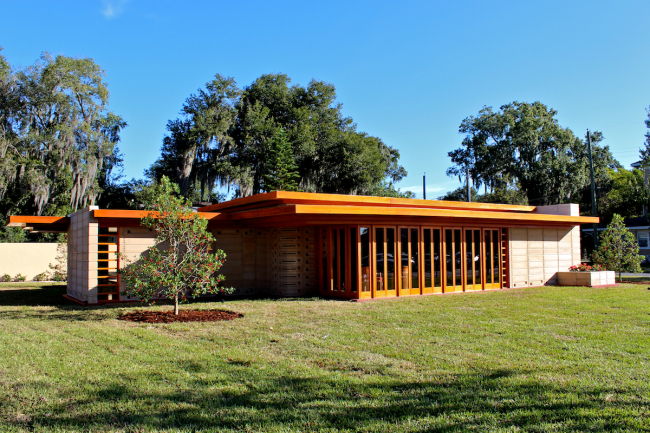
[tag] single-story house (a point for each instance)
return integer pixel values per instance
(356, 247)
(638, 226)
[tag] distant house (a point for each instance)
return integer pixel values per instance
(639, 226)
(304, 244)
(646, 170)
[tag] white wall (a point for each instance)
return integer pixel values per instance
(28, 259)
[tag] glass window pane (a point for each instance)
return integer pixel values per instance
(415, 259)
(354, 272)
(497, 255)
(449, 258)
(342, 260)
(457, 258)
(390, 258)
(364, 233)
(469, 257)
(427, 257)
(379, 245)
(404, 258)
(325, 275)
(437, 277)
(488, 256)
(335, 260)
(478, 272)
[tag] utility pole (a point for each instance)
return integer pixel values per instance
(424, 186)
(593, 189)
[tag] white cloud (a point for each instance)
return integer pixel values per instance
(113, 8)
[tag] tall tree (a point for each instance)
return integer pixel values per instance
(523, 144)
(196, 153)
(626, 194)
(58, 140)
(283, 172)
(330, 155)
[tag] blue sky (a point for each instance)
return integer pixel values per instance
(408, 72)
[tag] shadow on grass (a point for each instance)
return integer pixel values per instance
(46, 296)
(494, 400)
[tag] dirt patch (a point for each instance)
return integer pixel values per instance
(183, 316)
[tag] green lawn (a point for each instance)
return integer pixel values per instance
(546, 359)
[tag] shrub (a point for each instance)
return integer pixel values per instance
(6, 278)
(618, 250)
(19, 278)
(42, 277)
(583, 267)
(60, 270)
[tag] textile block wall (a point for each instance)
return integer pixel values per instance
(133, 242)
(293, 261)
(537, 255)
(247, 266)
(82, 255)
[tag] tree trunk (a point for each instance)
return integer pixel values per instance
(176, 305)
(184, 171)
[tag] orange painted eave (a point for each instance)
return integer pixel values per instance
(23, 221)
(139, 214)
(410, 212)
(286, 197)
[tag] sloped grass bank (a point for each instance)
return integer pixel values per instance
(544, 359)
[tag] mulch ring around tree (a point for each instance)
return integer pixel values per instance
(183, 316)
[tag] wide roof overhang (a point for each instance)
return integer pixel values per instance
(283, 209)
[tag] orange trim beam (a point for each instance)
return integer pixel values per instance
(139, 214)
(23, 221)
(289, 197)
(407, 212)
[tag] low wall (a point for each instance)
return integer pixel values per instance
(28, 259)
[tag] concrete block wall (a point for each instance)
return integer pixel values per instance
(248, 259)
(133, 242)
(293, 262)
(82, 255)
(537, 255)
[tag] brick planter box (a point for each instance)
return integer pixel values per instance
(590, 279)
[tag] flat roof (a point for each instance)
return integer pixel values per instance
(281, 208)
(290, 197)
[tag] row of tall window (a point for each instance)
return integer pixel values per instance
(386, 260)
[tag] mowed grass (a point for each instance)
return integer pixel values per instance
(543, 359)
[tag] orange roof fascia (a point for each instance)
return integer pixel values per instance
(300, 209)
(342, 199)
(22, 221)
(139, 214)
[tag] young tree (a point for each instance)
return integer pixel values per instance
(283, 174)
(618, 250)
(180, 263)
